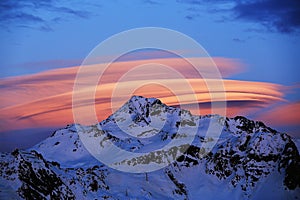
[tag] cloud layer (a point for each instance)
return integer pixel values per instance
(45, 99)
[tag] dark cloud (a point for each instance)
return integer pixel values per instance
(283, 16)
(35, 14)
(275, 15)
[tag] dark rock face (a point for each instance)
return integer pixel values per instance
(40, 179)
(290, 163)
(180, 187)
(37, 179)
(140, 110)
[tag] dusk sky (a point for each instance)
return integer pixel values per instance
(255, 44)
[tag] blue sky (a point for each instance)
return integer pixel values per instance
(37, 36)
(58, 30)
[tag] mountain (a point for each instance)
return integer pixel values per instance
(248, 160)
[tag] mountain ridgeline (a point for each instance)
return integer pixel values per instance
(248, 160)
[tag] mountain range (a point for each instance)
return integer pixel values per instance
(166, 153)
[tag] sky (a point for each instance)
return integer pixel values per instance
(255, 45)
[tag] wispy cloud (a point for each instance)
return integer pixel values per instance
(274, 15)
(147, 54)
(36, 14)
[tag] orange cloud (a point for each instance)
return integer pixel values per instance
(58, 81)
(282, 115)
(45, 99)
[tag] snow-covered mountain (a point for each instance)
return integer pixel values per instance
(248, 160)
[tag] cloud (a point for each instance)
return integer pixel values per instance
(284, 117)
(39, 66)
(144, 54)
(284, 16)
(57, 81)
(56, 110)
(284, 114)
(35, 14)
(275, 15)
(45, 99)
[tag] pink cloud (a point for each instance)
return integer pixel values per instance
(282, 115)
(45, 99)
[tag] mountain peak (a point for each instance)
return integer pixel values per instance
(140, 101)
(139, 108)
